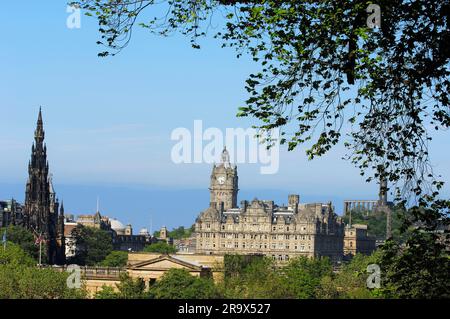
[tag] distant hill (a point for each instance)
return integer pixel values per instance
(376, 222)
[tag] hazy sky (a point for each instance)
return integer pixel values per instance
(108, 121)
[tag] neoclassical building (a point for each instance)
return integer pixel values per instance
(261, 226)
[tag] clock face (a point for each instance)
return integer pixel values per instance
(221, 180)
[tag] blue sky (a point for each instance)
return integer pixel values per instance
(108, 121)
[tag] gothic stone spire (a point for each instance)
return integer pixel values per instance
(39, 134)
(40, 205)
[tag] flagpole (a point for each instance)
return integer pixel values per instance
(40, 252)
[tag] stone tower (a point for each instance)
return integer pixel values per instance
(224, 183)
(41, 204)
(61, 238)
(383, 204)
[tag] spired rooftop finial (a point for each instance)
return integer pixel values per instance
(225, 157)
(39, 133)
(50, 183)
(40, 115)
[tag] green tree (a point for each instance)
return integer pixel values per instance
(180, 284)
(25, 239)
(302, 275)
(351, 281)
(115, 259)
(128, 288)
(250, 277)
(160, 247)
(93, 245)
(21, 279)
(418, 270)
(107, 292)
(15, 255)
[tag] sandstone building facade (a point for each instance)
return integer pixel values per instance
(357, 241)
(262, 227)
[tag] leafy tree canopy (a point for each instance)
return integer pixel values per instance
(251, 277)
(92, 245)
(180, 284)
(302, 276)
(115, 259)
(160, 247)
(351, 281)
(21, 279)
(25, 239)
(128, 288)
(420, 270)
(13, 254)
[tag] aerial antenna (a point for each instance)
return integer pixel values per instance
(151, 225)
(98, 204)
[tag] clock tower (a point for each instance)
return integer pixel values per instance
(224, 183)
